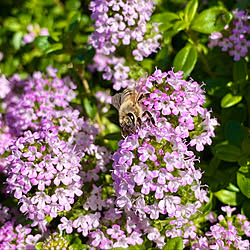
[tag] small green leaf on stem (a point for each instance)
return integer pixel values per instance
(211, 20)
(230, 100)
(190, 10)
(174, 243)
(229, 153)
(185, 60)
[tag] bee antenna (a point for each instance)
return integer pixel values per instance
(144, 80)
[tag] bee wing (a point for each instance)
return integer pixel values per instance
(116, 100)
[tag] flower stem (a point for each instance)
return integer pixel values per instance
(88, 92)
(202, 57)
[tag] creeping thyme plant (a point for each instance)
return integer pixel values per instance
(68, 180)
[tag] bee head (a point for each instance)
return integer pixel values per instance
(132, 119)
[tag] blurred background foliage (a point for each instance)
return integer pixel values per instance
(186, 26)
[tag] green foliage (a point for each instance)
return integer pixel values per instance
(227, 197)
(190, 11)
(174, 243)
(185, 60)
(243, 180)
(211, 20)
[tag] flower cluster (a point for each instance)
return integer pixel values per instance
(226, 234)
(41, 97)
(154, 170)
(53, 158)
(34, 31)
(5, 135)
(44, 175)
(4, 86)
(122, 23)
(233, 38)
(15, 236)
(105, 225)
(5, 140)
(119, 229)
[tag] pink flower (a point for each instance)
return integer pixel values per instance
(4, 87)
(147, 152)
(66, 225)
(32, 153)
(115, 232)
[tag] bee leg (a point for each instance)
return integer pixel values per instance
(150, 116)
(140, 97)
(123, 134)
(139, 121)
(143, 96)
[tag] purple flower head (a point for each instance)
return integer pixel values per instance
(234, 39)
(154, 166)
(119, 23)
(33, 168)
(55, 162)
(48, 94)
(226, 233)
(5, 141)
(14, 235)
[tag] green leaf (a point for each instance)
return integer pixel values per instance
(190, 10)
(90, 110)
(42, 42)
(147, 64)
(162, 56)
(179, 26)
(165, 26)
(240, 71)
(38, 246)
(227, 197)
(53, 48)
(211, 20)
(77, 246)
(246, 208)
(73, 4)
(17, 40)
(185, 60)
(243, 181)
(232, 187)
(230, 100)
(228, 152)
(83, 55)
(164, 17)
(174, 243)
(207, 207)
(73, 27)
(12, 24)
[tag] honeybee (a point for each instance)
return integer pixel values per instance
(128, 104)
